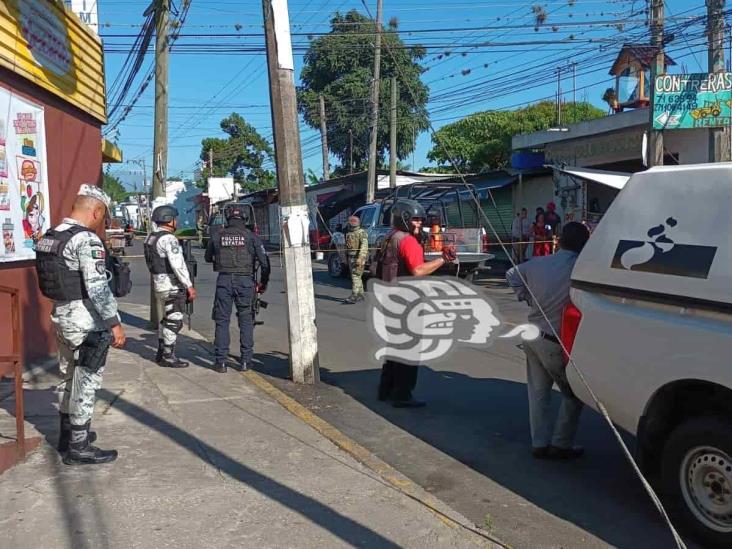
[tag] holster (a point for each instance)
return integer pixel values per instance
(94, 349)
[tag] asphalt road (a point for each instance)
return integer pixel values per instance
(470, 445)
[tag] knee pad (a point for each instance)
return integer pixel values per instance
(174, 326)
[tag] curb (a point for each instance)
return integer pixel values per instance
(441, 510)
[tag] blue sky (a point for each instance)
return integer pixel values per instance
(482, 54)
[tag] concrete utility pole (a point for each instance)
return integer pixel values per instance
(658, 67)
(160, 143)
(371, 182)
(718, 143)
(303, 339)
(324, 138)
(350, 151)
(559, 97)
(393, 134)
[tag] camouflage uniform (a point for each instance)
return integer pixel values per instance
(76, 320)
(170, 289)
(357, 249)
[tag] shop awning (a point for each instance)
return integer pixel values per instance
(111, 153)
(616, 180)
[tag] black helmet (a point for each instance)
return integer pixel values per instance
(403, 211)
(237, 211)
(164, 214)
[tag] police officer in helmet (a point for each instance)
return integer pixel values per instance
(235, 252)
(402, 255)
(71, 269)
(171, 282)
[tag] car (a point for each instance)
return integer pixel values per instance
(650, 329)
(452, 217)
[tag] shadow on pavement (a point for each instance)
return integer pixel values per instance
(483, 423)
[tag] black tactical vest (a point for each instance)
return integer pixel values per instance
(155, 263)
(391, 265)
(56, 280)
(234, 254)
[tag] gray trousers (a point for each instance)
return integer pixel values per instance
(80, 384)
(544, 368)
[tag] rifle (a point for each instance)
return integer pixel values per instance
(192, 272)
(257, 302)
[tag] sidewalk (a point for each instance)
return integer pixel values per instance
(206, 460)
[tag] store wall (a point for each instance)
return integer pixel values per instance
(74, 157)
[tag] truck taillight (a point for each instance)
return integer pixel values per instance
(485, 243)
(571, 317)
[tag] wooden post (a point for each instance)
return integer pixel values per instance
(303, 342)
(160, 141)
(371, 182)
(658, 67)
(350, 151)
(324, 138)
(718, 142)
(393, 134)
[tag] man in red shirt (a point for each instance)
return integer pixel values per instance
(403, 255)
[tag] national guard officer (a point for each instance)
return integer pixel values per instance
(71, 268)
(171, 282)
(402, 255)
(357, 249)
(235, 251)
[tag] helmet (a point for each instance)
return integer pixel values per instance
(164, 214)
(403, 211)
(236, 211)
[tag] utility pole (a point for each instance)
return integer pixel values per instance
(371, 182)
(210, 164)
(303, 340)
(324, 138)
(559, 97)
(393, 134)
(658, 67)
(160, 144)
(718, 149)
(350, 152)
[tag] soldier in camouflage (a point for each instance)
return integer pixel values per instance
(357, 249)
(71, 269)
(171, 282)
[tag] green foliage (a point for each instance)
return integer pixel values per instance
(311, 178)
(241, 155)
(114, 188)
(339, 66)
(483, 140)
(186, 232)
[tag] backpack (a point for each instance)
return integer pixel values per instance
(121, 281)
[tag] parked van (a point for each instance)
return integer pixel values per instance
(653, 297)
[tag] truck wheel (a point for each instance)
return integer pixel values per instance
(697, 478)
(336, 268)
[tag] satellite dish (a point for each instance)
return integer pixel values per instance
(644, 149)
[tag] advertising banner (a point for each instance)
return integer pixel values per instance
(24, 208)
(692, 101)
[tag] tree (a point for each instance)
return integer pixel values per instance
(241, 155)
(114, 188)
(339, 65)
(483, 140)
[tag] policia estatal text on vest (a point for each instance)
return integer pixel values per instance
(171, 282)
(71, 269)
(235, 252)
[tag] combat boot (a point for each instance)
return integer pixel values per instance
(243, 366)
(64, 434)
(81, 452)
(161, 350)
(169, 359)
(219, 367)
(350, 300)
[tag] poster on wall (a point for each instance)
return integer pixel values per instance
(24, 208)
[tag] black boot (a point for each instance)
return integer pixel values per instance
(169, 359)
(219, 367)
(161, 350)
(243, 366)
(81, 451)
(64, 434)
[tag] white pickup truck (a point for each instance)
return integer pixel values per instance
(651, 331)
(452, 217)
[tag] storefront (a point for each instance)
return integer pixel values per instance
(52, 107)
